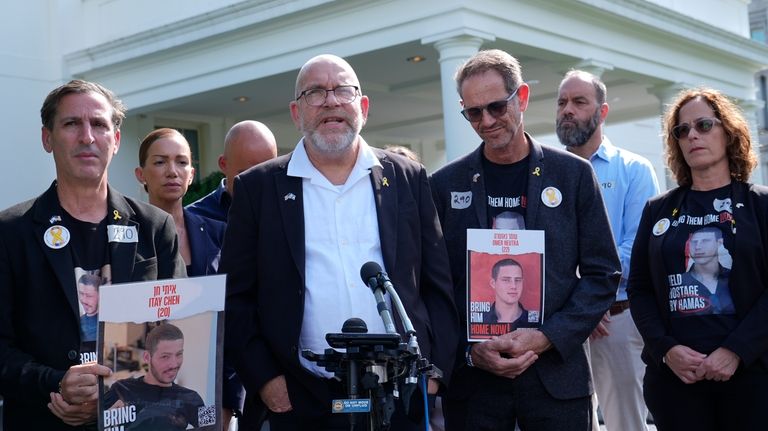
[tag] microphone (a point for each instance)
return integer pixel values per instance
(378, 280)
(373, 270)
(369, 273)
(375, 273)
(354, 325)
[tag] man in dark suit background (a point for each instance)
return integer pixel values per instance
(301, 226)
(246, 144)
(537, 378)
(79, 224)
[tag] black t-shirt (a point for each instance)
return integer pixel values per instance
(522, 321)
(88, 242)
(505, 189)
(90, 259)
(698, 261)
(158, 408)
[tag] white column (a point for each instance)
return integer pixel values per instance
(593, 66)
(666, 94)
(454, 50)
(752, 108)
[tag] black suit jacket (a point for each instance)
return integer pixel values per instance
(39, 315)
(582, 268)
(263, 257)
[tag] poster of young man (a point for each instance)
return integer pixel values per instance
(88, 284)
(505, 286)
(163, 341)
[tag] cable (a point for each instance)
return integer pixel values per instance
(426, 401)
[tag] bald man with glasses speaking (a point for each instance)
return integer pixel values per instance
(300, 228)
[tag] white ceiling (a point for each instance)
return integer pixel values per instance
(406, 97)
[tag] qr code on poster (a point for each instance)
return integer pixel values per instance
(206, 415)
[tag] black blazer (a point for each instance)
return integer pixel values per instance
(39, 315)
(263, 258)
(582, 268)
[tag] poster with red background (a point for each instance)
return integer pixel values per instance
(486, 247)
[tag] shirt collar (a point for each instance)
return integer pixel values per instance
(301, 166)
(605, 151)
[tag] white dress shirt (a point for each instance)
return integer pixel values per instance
(341, 233)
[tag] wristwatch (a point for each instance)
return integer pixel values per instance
(468, 356)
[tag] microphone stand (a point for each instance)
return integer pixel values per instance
(368, 364)
(381, 306)
(413, 344)
(373, 364)
(421, 364)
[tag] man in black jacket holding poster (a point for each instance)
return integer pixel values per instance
(79, 224)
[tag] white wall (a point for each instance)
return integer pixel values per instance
(729, 15)
(29, 72)
(35, 36)
(101, 21)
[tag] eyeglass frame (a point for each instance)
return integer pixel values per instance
(678, 135)
(325, 96)
(506, 101)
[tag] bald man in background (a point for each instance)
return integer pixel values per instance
(247, 144)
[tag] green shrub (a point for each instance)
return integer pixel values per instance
(201, 188)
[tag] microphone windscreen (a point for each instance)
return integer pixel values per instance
(354, 325)
(369, 270)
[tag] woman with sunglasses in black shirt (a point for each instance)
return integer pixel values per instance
(698, 285)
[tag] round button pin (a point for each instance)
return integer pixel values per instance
(56, 237)
(551, 197)
(661, 226)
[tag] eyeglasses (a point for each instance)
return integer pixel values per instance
(495, 109)
(702, 125)
(316, 96)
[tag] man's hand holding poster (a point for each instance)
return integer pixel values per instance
(505, 283)
(163, 341)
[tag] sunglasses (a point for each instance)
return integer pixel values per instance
(495, 109)
(702, 125)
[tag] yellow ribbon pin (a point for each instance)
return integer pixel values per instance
(116, 215)
(674, 212)
(537, 171)
(385, 182)
(57, 235)
(551, 195)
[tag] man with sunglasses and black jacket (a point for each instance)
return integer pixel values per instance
(538, 378)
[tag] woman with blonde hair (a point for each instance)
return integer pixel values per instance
(698, 284)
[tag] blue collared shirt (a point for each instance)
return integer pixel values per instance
(627, 181)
